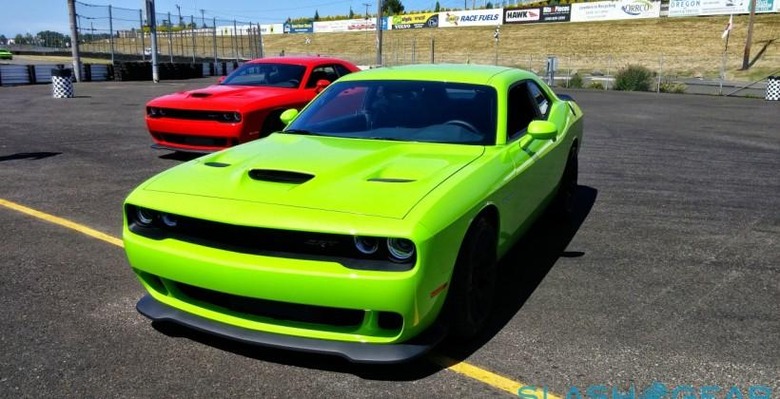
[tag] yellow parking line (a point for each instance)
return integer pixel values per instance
(62, 222)
(490, 378)
(484, 376)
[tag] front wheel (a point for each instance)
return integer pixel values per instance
(473, 283)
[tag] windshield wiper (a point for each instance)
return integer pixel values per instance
(301, 132)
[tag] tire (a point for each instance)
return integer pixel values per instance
(272, 124)
(566, 197)
(474, 281)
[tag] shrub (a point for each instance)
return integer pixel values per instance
(673, 87)
(576, 81)
(594, 84)
(634, 78)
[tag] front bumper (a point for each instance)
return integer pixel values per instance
(352, 351)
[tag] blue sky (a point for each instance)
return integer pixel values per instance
(33, 16)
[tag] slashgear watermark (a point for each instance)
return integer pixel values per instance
(656, 390)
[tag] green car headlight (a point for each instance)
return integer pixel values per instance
(366, 245)
(144, 217)
(400, 249)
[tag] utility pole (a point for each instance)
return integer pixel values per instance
(152, 21)
(203, 18)
(74, 40)
(749, 39)
(379, 32)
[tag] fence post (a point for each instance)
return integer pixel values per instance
(260, 41)
(111, 32)
(234, 41)
(170, 38)
(215, 41)
(194, 46)
(660, 72)
(609, 68)
(143, 34)
(433, 52)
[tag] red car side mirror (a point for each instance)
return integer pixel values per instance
(321, 84)
(221, 79)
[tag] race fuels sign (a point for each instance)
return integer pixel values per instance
(451, 19)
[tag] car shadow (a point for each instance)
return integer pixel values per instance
(528, 261)
(32, 156)
(181, 156)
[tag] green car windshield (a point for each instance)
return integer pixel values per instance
(402, 110)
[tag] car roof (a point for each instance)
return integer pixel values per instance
(458, 73)
(302, 60)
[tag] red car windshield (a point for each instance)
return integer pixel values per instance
(274, 75)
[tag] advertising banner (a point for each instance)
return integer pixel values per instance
(415, 21)
(298, 27)
(451, 19)
(559, 13)
(691, 8)
(613, 10)
(272, 29)
(345, 25)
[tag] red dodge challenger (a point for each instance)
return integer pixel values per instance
(244, 106)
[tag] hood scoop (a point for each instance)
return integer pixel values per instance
(279, 176)
(200, 95)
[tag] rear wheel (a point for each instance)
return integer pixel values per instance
(566, 197)
(474, 280)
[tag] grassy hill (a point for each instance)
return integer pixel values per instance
(677, 46)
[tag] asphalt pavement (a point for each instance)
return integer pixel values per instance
(670, 275)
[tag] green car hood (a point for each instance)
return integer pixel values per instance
(365, 177)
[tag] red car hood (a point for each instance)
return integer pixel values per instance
(218, 97)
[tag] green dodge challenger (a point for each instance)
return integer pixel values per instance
(370, 228)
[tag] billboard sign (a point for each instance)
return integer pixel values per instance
(615, 10)
(298, 27)
(451, 19)
(345, 25)
(690, 8)
(559, 13)
(415, 21)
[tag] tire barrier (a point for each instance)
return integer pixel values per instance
(132, 71)
(61, 83)
(773, 88)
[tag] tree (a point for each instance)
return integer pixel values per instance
(489, 5)
(437, 8)
(316, 15)
(19, 39)
(392, 7)
(351, 13)
(3, 40)
(52, 39)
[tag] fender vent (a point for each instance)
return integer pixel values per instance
(279, 176)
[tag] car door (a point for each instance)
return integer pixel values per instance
(528, 187)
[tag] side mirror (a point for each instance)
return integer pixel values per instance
(221, 79)
(542, 130)
(288, 115)
(321, 85)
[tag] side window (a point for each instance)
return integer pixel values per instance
(521, 110)
(342, 70)
(541, 100)
(327, 72)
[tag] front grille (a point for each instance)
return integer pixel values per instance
(272, 242)
(292, 312)
(195, 115)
